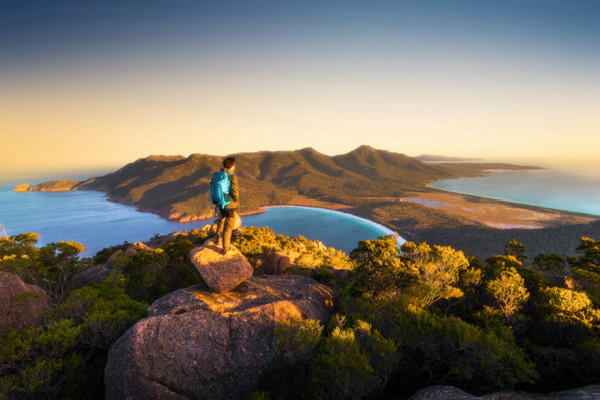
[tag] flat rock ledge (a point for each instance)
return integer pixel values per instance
(591, 392)
(220, 272)
(198, 344)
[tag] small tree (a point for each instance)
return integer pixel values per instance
(298, 338)
(380, 272)
(509, 292)
(515, 249)
(590, 254)
(19, 246)
(571, 306)
(438, 269)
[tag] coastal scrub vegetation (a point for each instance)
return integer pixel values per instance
(405, 318)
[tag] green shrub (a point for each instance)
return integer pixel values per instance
(19, 246)
(447, 350)
(103, 255)
(43, 363)
(589, 281)
(105, 311)
(423, 274)
(570, 306)
(253, 241)
(150, 275)
(66, 358)
(509, 292)
(51, 267)
(179, 249)
(352, 363)
(589, 257)
(380, 273)
(298, 338)
(439, 270)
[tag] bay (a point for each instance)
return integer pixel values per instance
(89, 218)
(568, 190)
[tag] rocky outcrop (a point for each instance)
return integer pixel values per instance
(93, 275)
(54, 186)
(21, 188)
(21, 305)
(220, 272)
(115, 257)
(137, 247)
(198, 344)
(185, 218)
(275, 263)
(452, 393)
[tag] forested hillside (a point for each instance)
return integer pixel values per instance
(177, 187)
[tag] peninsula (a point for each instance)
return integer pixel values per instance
(387, 187)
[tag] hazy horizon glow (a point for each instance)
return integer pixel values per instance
(88, 85)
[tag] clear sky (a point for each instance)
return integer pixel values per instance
(98, 84)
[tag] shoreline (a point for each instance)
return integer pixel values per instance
(509, 202)
(581, 209)
(387, 230)
(492, 212)
(497, 213)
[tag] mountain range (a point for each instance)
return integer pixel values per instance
(176, 187)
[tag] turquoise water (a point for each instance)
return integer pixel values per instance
(577, 191)
(336, 229)
(88, 218)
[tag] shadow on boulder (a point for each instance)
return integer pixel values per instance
(198, 344)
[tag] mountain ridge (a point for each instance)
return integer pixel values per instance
(176, 187)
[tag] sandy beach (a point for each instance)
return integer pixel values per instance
(310, 202)
(492, 213)
(495, 214)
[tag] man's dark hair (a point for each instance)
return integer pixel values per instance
(228, 162)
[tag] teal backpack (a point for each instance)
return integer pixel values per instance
(219, 189)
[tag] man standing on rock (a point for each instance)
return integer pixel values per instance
(229, 216)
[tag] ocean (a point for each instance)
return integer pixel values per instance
(568, 190)
(89, 218)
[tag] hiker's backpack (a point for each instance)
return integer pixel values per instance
(219, 189)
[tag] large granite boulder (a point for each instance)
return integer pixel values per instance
(220, 272)
(198, 344)
(21, 305)
(137, 247)
(275, 263)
